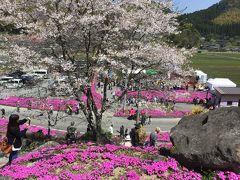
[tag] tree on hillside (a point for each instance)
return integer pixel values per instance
(89, 38)
(188, 37)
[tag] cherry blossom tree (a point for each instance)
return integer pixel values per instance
(90, 37)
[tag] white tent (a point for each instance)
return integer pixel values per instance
(136, 71)
(220, 82)
(202, 76)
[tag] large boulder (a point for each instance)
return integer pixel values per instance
(210, 140)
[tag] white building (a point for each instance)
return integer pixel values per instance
(220, 82)
(202, 77)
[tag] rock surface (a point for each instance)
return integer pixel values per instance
(210, 140)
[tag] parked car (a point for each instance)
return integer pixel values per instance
(29, 79)
(16, 74)
(41, 73)
(5, 79)
(14, 83)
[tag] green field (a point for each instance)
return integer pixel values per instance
(219, 65)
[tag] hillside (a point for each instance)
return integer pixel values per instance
(221, 19)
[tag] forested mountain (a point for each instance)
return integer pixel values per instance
(221, 19)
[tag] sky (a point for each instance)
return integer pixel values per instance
(193, 5)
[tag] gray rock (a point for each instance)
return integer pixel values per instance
(210, 140)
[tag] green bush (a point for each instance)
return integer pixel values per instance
(88, 136)
(108, 135)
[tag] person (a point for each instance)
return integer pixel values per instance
(127, 141)
(143, 119)
(77, 108)
(88, 128)
(194, 87)
(18, 106)
(69, 109)
(149, 120)
(132, 113)
(29, 105)
(3, 112)
(110, 129)
(153, 136)
(133, 136)
(121, 131)
(126, 132)
(113, 95)
(14, 135)
(155, 99)
(51, 109)
(70, 136)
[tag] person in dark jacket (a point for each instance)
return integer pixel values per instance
(14, 135)
(153, 136)
(122, 131)
(3, 112)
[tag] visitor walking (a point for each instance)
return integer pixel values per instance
(3, 112)
(110, 129)
(149, 120)
(18, 106)
(14, 135)
(153, 136)
(122, 131)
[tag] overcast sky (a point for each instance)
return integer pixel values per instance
(193, 5)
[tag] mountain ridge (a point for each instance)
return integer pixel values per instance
(222, 18)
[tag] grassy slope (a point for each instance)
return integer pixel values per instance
(219, 65)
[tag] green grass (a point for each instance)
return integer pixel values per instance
(219, 65)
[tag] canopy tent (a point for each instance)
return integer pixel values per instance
(147, 71)
(202, 77)
(136, 71)
(150, 72)
(220, 82)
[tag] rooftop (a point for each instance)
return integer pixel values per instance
(228, 90)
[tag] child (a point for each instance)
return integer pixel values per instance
(149, 120)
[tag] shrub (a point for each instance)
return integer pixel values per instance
(197, 110)
(88, 136)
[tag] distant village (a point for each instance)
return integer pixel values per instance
(221, 44)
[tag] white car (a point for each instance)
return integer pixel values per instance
(5, 79)
(14, 84)
(42, 73)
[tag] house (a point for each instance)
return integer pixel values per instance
(228, 96)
